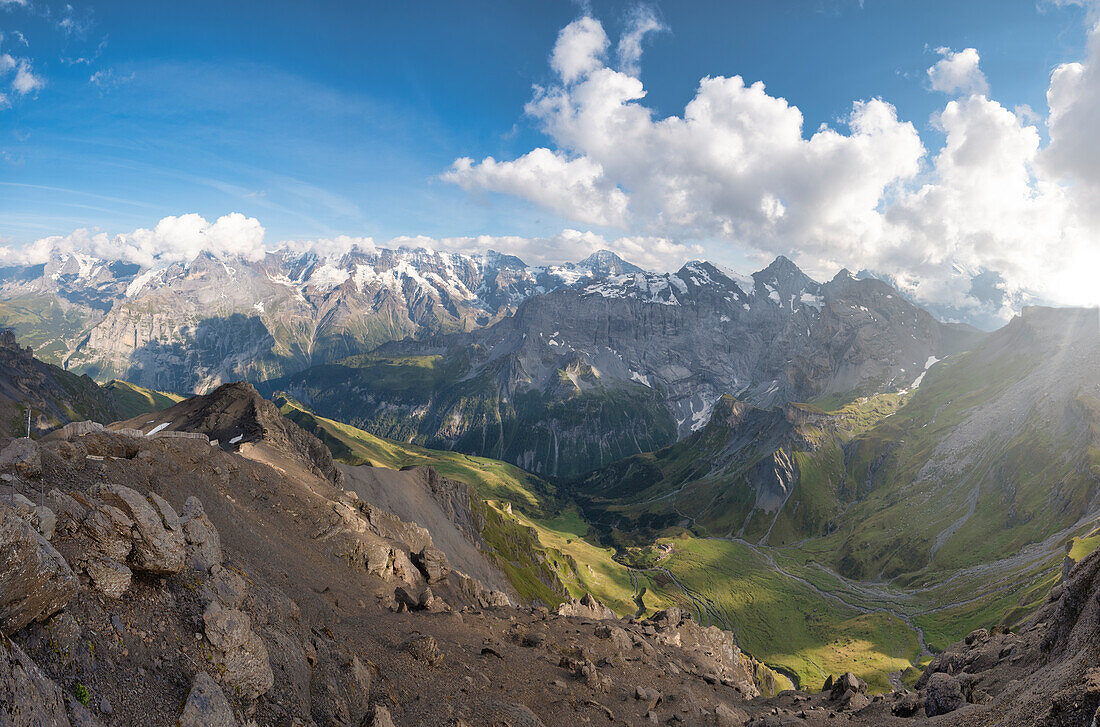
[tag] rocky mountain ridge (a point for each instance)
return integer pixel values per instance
(218, 587)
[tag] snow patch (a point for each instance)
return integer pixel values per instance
(140, 282)
(328, 277)
(932, 360)
(814, 301)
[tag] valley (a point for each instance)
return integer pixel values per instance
(783, 604)
(831, 476)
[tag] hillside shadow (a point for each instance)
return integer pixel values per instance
(232, 348)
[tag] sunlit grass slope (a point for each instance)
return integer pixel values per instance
(133, 400)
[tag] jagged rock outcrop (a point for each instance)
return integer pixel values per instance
(40, 516)
(943, 694)
(109, 531)
(158, 544)
(206, 705)
(586, 607)
(21, 458)
(240, 652)
(35, 580)
(204, 545)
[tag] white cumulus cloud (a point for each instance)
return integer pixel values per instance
(643, 21)
(580, 48)
(958, 72)
(573, 187)
(173, 239)
(738, 167)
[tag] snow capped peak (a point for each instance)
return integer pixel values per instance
(605, 262)
(782, 273)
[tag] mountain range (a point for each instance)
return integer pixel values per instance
(189, 326)
(558, 369)
(590, 373)
(993, 450)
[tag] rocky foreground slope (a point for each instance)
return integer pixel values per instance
(150, 578)
(166, 579)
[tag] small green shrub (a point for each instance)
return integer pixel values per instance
(82, 694)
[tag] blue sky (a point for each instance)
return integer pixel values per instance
(334, 118)
(330, 117)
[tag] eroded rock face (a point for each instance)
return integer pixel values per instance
(87, 527)
(29, 698)
(380, 717)
(242, 652)
(339, 688)
(21, 457)
(943, 695)
(111, 531)
(709, 651)
(206, 705)
(40, 516)
(204, 545)
(382, 558)
(586, 607)
(432, 563)
(727, 716)
(109, 577)
(158, 545)
(35, 580)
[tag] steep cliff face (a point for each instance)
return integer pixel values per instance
(585, 375)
